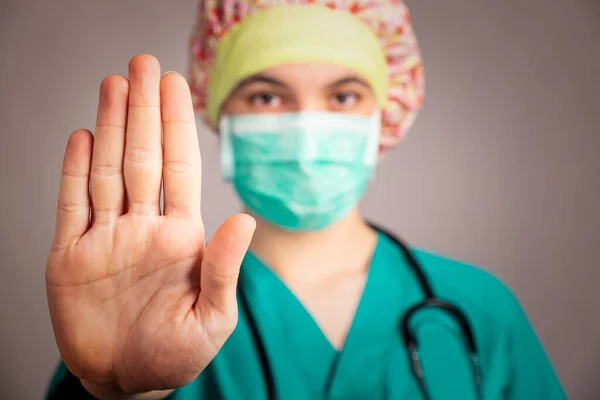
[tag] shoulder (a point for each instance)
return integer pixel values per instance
(475, 290)
(508, 342)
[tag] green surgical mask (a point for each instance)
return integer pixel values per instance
(300, 171)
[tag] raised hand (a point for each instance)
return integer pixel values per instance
(136, 300)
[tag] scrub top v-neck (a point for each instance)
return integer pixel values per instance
(373, 362)
(311, 361)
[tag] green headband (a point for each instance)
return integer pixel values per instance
(291, 34)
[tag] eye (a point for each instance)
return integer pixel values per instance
(265, 99)
(345, 99)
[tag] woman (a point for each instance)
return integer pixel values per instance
(304, 98)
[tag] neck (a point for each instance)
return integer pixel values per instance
(307, 256)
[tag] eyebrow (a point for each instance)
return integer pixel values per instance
(261, 78)
(349, 79)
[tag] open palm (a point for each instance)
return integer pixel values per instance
(136, 300)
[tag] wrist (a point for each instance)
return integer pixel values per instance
(103, 392)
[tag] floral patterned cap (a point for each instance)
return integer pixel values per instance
(388, 19)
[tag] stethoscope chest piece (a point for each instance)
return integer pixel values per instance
(412, 345)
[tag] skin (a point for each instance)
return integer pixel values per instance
(134, 277)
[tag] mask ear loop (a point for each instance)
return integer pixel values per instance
(227, 160)
(372, 147)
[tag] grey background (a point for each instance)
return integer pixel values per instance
(500, 170)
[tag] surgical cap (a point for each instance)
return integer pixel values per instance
(233, 39)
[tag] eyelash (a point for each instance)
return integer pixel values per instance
(258, 99)
(354, 95)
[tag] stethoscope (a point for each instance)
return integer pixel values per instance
(410, 339)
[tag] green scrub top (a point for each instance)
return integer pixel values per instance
(373, 363)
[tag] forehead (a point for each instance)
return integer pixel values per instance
(312, 74)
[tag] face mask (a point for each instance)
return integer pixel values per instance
(301, 171)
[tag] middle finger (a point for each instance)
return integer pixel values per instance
(143, 147)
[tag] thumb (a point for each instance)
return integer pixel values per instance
(221, 263)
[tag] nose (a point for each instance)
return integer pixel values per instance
(312, 102)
